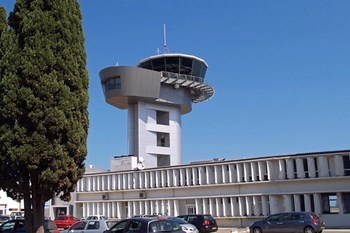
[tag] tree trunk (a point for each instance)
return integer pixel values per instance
(28, 214)
(38, 204)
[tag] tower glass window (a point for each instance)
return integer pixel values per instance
(162, 118)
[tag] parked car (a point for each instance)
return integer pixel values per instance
(186, 226)
(96, 217)
(65, 221)
(17, 226)
(204, 222)
(145, 225)
(91, 226)
(4, 218)
(294, 222)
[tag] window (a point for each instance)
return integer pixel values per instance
(162, 118)
(163, 139)
(346, 202)
(346, 162)
(112, 83)
(329, 203)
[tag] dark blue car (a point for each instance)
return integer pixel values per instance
(294, 222)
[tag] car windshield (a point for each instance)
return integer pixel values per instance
(62, 218)
(179, 220)
(164, 226)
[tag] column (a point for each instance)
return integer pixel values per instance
(182, 177)
(274, 204)
(225, 209)
(282, 169)
(218, 207)
(272, 169)
(176, 207)
(317, 203)
(311, 167)
(176, 177)
(254, 171)
(232, 173)
(339, 165)
(201, 171)
(234, 205)
(198, 206)
(290, 168)
(241, 204)
(340, 203)
(119, 210)
(262, 170)
(256, 206)
(225, 173)
(287, 202)
(307, 201)
(205, 205)
(169, 178)
(170, 211)
(265, 205)
(249, 207)
(163, 178)
(247, 175)
(300, 168)
(212, 206)
(297, 205)
(322, 165)
(194, 176)
(188, 176)
(239, 172)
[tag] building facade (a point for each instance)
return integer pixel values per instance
(235, 192)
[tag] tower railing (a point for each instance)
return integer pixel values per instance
(203, 91)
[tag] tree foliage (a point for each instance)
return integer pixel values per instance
(43, 102)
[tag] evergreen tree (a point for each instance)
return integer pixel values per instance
(43, 103)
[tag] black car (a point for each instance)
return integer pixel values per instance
(294, 222)
(17, 226)
(145, 225)
(204, 222)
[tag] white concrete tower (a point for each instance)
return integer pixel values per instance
(156, 93)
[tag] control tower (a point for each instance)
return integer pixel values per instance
(156, 93)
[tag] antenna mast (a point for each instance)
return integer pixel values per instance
(164, 34)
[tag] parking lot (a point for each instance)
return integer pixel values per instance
(246, 230)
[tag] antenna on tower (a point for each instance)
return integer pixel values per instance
(164, 32)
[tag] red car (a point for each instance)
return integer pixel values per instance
(65, 221)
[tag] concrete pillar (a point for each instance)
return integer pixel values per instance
(176, 175)
(287, 202)
(281, 169)
(297, 204)
(201, 175)
(182, 177)
(234, 205)
(257, 205)
(195, 176)
(249, 205)
(323, 169)
(232, 173)
(225, 209)
(307, 201)
(119, 210)
(225, 173)
(317, 203)
(242, 208)
(340, 203)
(169, 178)
(265, 205)
(254, 171)
(205, 205)
(240, 172)
(262, 170)
(274, 204)
(272, 168)
(300, 168)
(247, 172)
(188, 177)
(290, 168)
(311, 167)
(212, 206)
(339, 165)
(176, 207)
(218, 206)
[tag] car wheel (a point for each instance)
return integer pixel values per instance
(257, 230)
(309, 230)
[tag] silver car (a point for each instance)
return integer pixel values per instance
(91, 226)
(186, 227)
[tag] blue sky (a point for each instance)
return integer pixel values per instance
(280, 70)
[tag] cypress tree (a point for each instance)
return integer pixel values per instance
(43, 104)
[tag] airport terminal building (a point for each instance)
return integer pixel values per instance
(153, 180)
(235, 192)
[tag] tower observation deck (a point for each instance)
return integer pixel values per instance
(156, 93)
